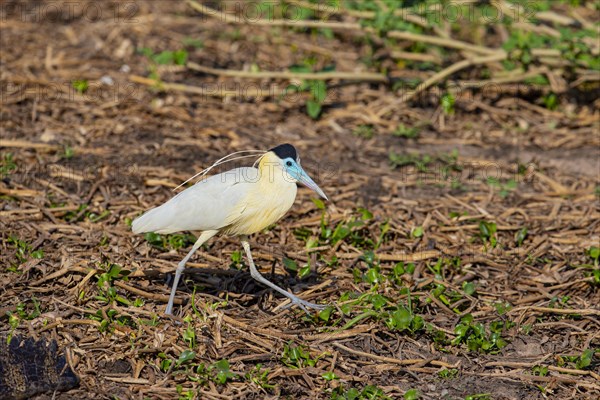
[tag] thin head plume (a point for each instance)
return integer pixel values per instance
(228, 158)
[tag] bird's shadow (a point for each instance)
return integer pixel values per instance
(216, 282)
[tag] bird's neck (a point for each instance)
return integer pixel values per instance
(270, 171)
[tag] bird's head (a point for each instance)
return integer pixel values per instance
(286, 157)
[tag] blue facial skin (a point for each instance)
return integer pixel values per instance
(295, 171)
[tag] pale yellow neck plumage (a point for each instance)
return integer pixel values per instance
(267, 200)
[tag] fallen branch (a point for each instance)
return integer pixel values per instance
(232, 19)
(403, 13)
(245, 92)
(562, 311)
(16, 143)
(395, 360)
(143, 293)
(435, 78)
(353, 76)
(511, 364)
(443, 42)
(20, 192)
(422, 57)
(440, 41)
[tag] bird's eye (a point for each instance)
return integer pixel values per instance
(289, 163)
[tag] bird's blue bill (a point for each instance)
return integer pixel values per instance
(301, 176)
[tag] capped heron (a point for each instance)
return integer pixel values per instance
(238, 202)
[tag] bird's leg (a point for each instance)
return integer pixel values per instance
(181, 266)
(303, 304)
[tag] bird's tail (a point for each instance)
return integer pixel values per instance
(155, 220)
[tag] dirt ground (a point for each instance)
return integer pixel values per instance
(495, 204)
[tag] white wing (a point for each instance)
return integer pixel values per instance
(210, 204)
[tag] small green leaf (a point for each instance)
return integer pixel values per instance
(402, 318)
(594, 252)
(197, 43)
(372, 276)
(325, 313)
(81, 85)
(37, 254)
(417, 232)
(300, 68)
(319, 91)
(154, 239)
(365, 214)
(412, 394)
(468, 288)
(319, 203)
(186, 356)
(304, 272)
(329, 376)
(163, 58)
(290, 264)
(180, 57)
(521, 235)
(313, 109)
(585, 359)
(447, 103)
(407, 132)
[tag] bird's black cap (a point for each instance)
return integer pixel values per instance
(284, 151)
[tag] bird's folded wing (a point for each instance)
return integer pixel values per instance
(211, 204)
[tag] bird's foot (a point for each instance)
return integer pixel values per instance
(304, 305)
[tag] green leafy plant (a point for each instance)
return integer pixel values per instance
(540, 370)
(28, 310)
(68, 152)
(477, 338)
(593, 269)
(184, 357)
(369, 392)
(407, 132)
(298, 356)
(81, 85)
(447, 103)
(399, 270)
(404, 319)
(178, 57)
(259, 376)
(221, 372)
(582, 361)
(174, 241)
(521, 236)
(504, 188)
(82, 212)
(364, 131)
(237, 260)
(352, 231)
(192, 42)
(487, 233)
(110, 273)
(7, 165)
(478, 396)
(23, 251)
(421, 162)
(412, 394)
(594, 253)
(448, 373)
(165, 363)
(417, 232)
(108, 318)
(316, 88)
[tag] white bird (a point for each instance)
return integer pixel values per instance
(238, 202)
